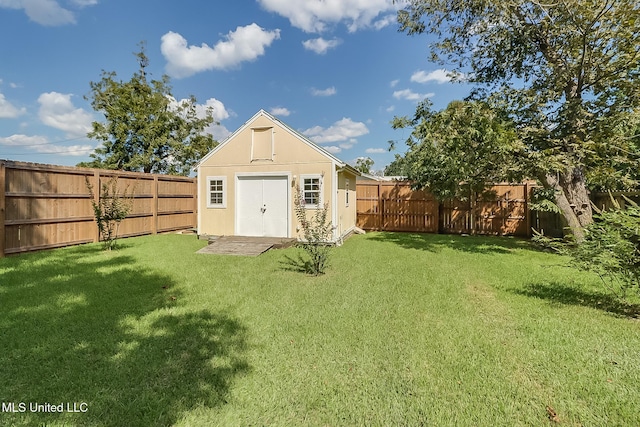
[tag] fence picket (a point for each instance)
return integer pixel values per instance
(404, 209)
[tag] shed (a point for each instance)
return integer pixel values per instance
(247, 184)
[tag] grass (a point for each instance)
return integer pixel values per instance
(404, 329)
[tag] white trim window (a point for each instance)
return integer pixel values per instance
(346, 192)
(312, 191)
(216, 191)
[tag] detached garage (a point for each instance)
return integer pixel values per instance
(247, 183)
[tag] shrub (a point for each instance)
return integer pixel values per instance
(612, 247)
(316, 235)
(110, 209)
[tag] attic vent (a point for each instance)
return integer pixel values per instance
(262, 144)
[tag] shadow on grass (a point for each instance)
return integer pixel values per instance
(83, 326)
(559, 293)
(437, 242)
(298, 265)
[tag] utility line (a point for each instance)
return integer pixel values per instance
(44, 143)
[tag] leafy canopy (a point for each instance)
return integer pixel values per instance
(364, 164)
(565, 72)
(145, 128)
(612, 248)
(459, 149)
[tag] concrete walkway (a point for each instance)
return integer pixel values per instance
(248, 246)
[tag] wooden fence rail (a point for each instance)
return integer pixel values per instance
(503, 210)
(45, 206)
(394, 206)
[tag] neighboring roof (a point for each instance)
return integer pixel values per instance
(366, 176)
(289, 129)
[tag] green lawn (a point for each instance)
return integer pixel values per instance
(404, 329)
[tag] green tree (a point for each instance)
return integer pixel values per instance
(460, 149)
(620, 172)
(398, 167)
(145, 129)
(364, 164)
(566, 73)
(612, 248)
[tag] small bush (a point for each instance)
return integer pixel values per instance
(110, 209)
(316, 235)
(612, 248)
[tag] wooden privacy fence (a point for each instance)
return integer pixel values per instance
(394, 206)
(603, 201)
(45, 206)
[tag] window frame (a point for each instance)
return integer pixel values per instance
(303, 178)
(346, 192)
(223, 204)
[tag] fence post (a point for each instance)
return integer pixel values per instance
(436, 218)
(380, 208)
(2, 208)
(472, 210)
(154, 226)
(526, 209)
(96, 198)
(195, 204)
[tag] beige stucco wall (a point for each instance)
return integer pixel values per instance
(346, 213)
(292, 158)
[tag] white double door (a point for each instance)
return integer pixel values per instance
(262, 206)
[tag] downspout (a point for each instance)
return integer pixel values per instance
(198, 200)
(334, 200)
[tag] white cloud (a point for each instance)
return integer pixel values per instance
(19, 140)
(394, 83)
(385, 21)
(320, 45)
(280, 111)
(57, 111)
(8, 110)
(390, 109)
(324, 92)
(314, 16)
(46, 12)
(333, 149)
(375, 151)
(409, 95)
(218, 110)
(41, 144)
(348, 145)
(243, 44)
(342, 130)
(68, 150)
(84, 3)
(219, 132)
(439, 76)
(220, 113)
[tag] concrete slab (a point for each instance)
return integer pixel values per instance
(241, 245)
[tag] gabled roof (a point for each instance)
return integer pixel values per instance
(289, 129)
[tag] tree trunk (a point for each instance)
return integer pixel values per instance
(572, 198)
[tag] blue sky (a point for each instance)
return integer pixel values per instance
(336, 70)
